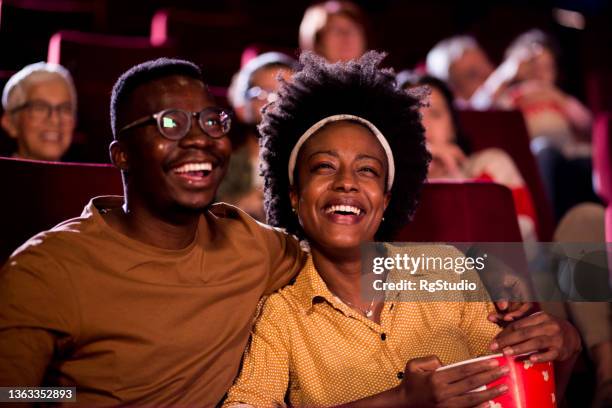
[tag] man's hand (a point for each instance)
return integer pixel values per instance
(447, 159)
(423, 386)
(507, 311)
(548, 337)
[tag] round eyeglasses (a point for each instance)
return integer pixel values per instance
(175, 124)
(40, 111)
(261, 94)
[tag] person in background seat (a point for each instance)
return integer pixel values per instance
(40, 111)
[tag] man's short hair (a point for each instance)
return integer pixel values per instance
(16, 89)
(243, 81)
(142, 74)
(447, 51)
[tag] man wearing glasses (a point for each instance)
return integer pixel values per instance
(254, 86)
(146, 299)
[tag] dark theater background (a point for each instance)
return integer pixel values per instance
(97, 40)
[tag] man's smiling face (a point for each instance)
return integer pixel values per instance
(172, 174)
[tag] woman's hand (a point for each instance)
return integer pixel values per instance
(423, 386)
(548, 337)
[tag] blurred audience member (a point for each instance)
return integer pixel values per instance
(253, 87)
(549, 112)
(461, 63)
(585, 223)
(525, 80)
(336, 30)
(451, 155)
(40, 111)
(559, 125)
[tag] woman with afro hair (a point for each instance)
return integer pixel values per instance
(344, 159)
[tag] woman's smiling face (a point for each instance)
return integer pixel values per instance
(340, 193)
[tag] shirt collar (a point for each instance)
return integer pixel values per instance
(310, 286)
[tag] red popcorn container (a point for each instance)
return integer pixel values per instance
(530, 385)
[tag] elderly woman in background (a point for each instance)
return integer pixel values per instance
(336, 30)
(40, 111)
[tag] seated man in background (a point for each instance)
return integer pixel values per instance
(462, 64)
(147, 299)
(40, 111)
(465, 67)
(253, 86)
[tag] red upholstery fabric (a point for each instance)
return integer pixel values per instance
(96, 61)
(39, 195)
(506, 130)
(602, 156)
(463, 212)
(602, 165)
(599, 89)
(7, 144)
(213, 40)
(26, 25)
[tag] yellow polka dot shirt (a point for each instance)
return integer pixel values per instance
(310, 348)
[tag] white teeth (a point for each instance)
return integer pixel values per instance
(194, 167)
(343, 208)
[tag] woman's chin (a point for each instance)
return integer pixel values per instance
(342, 246)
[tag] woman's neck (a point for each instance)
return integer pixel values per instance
(341, 274)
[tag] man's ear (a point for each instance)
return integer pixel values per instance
(118, 155)
(8, 125)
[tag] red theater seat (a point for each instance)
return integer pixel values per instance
(7, 145)
(26, 25)
(602, 165)
(506, 130)
(213, 40)
(96, 61)
(39, 195)
(599, 90)
(463, 212)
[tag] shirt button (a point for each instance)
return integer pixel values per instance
(400, 375)
(383, 336)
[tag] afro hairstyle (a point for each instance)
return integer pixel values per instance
(361, 88)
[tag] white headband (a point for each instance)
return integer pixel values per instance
(334, 118)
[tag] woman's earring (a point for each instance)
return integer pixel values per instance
(383, 218)
(293, 210)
